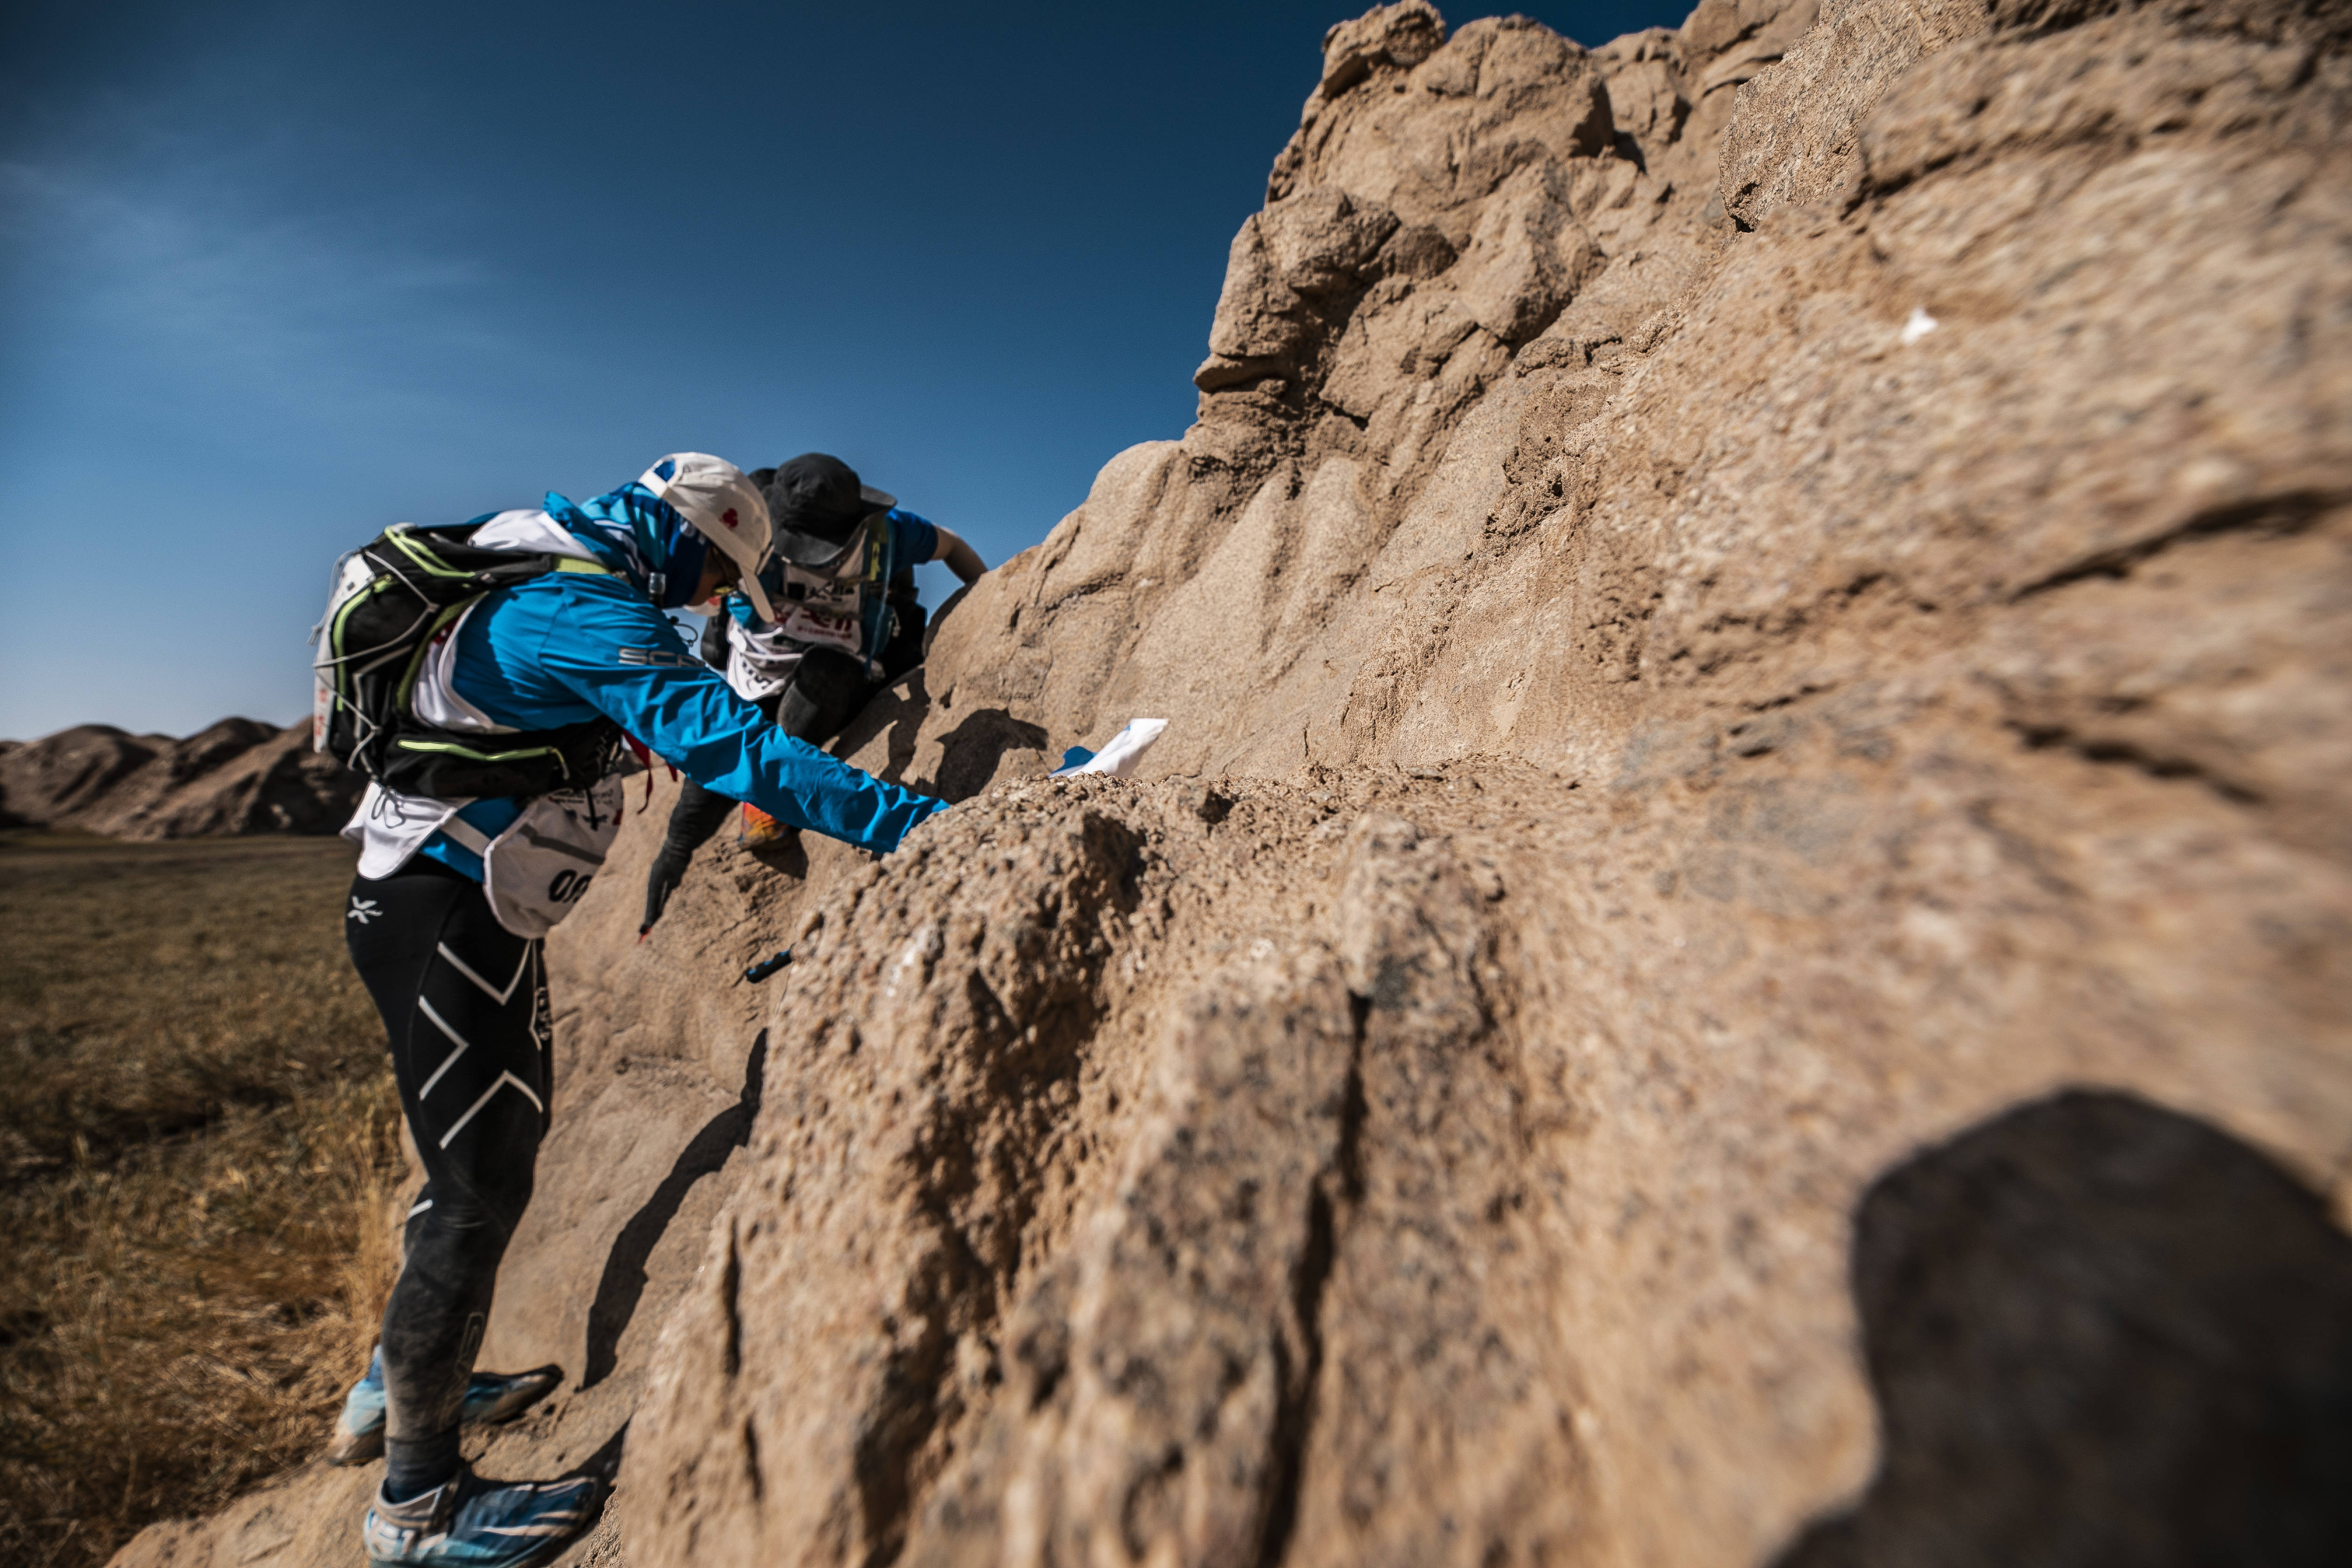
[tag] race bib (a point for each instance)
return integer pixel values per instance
(820, 611)
(538, 869)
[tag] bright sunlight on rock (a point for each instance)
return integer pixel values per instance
(1734, 949)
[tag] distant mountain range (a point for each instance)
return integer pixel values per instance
(239, 776)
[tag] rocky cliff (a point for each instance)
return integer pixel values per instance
(236, 777)
(1735, 951)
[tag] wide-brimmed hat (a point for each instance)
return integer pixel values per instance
(816, 503)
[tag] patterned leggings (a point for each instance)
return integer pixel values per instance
(465, 1005)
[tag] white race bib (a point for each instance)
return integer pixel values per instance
(537, 870)
(821, 611)
(534, 873)
(812, 611)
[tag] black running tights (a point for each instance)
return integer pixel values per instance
(465, 1003)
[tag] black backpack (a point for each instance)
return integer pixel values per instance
(390, 600)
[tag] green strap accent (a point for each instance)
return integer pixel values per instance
(468, 752)
(401, 698)
(406, 695)
(344, 675)
(401, 537)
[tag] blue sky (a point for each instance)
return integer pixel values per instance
(273, 276)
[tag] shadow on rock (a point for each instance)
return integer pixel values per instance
(897, 710)
(2100, 1333)
(623, 1280)
(605, 1464)
(787, 856)
(973, 750)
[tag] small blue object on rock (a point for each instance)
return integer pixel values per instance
(1077, 756)
(768, 966)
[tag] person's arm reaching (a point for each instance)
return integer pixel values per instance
(687, 715)
(961, 558)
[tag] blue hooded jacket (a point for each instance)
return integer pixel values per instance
(571, 647)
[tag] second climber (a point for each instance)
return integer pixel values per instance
(844, 622)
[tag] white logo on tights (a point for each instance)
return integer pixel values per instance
(363, 910)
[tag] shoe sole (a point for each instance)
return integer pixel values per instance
(540, 1557)
(348, 1448)
(554, 1549)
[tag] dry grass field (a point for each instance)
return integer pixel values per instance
(198, 1145)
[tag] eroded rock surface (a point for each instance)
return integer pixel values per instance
(1858, 644)
(1750, 614)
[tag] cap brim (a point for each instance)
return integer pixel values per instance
(806, 549)
(750, 583)
(815, 549)
(880, 500)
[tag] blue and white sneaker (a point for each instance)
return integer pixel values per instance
(468, 1522)
(490, 1397)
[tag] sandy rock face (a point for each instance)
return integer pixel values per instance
(1878, 664)
(1734, 950)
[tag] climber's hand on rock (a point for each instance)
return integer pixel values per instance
(659, 886)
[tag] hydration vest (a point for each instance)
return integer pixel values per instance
(388, 604)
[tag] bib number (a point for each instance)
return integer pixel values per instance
(569, 887)
(539, 868)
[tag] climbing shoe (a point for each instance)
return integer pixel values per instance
(490, 1397)
(468, 1522)
(759, 830)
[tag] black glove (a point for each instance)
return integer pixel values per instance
(697, 814)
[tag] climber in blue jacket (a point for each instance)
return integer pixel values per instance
(445, 923)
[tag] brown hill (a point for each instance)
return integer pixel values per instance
(236, 777)
(1734, 952)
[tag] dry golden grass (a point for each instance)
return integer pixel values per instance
(198, 1148)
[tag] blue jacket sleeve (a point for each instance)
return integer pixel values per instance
(681, 709)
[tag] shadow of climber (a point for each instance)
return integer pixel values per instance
(2100, 1333)
(623, 1280)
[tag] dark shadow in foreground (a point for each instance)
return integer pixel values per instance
(623, 1280)
(2100, 1333)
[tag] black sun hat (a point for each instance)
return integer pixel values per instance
(816, 503)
